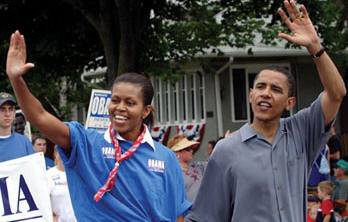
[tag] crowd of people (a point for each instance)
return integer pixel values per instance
(124, 175)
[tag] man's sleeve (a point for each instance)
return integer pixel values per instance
(213, 201)
(309, 124)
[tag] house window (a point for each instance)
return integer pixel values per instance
(241, 80)
(157, 100)
(193, 95)
(180, 102)
(166, 88)
(201, 95)
(184, 97)
(239, 109)
(175, 89)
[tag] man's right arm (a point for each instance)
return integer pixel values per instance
(304, 34)
(16, 66)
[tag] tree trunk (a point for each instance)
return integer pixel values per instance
(104, 19)
(133, 16)
(109, 32)
(120, 25)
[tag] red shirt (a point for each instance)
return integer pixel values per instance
(309, 219)
(326, 206)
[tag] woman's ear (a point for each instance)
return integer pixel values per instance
(147, 111)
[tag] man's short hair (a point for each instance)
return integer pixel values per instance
(36, 137)
(281, 69)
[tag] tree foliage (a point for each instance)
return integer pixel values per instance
(60, 43)
(151, 36)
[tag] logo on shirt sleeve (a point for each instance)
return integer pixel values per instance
(156, 165)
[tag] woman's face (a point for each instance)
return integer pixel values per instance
(186, 154)
(40, 145)
(127, 110)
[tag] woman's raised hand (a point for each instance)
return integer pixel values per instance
(16, 57)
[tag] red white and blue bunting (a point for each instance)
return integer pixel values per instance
(160, 133)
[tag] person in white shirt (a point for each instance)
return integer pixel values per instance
(59, 193)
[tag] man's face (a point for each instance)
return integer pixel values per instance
(269, 96)
(40, 145)
(19, 124)
(7, 115)
(338, 172)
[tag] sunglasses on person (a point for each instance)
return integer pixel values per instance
(189, 149)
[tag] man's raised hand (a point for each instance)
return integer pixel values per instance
(302, 30)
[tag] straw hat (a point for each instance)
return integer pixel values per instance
(183, 144)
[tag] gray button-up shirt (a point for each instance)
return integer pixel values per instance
(249, 179)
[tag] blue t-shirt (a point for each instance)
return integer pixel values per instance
(14, 147)
(149, 185)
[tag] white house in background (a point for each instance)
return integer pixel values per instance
(218, 97)
(216, 100)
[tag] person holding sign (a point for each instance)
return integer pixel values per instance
(12, 145)
(121, 175)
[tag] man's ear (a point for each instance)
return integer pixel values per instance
(290, 103)
(250, 94)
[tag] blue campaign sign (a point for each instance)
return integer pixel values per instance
(98, 116)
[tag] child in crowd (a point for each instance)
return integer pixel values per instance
(313, 212)
(312, 206)
(325, 189)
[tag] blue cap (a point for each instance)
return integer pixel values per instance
(6, 97)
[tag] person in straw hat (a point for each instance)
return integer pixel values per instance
(183, 150)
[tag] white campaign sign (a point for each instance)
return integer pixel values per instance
(24, 194)
(98, 115)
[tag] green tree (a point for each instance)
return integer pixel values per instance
(60, 42)
(143, 35)
(152, 36)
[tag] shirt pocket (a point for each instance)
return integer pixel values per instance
(296, 170)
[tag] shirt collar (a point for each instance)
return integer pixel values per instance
(147, 137)
(247, 132)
